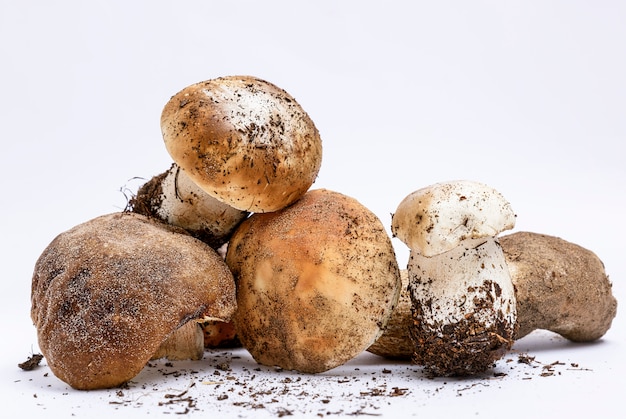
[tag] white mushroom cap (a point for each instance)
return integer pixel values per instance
(437, 218)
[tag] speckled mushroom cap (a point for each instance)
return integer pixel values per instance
(244, 141)
(435, 219)
(316, 282)
(108, 292)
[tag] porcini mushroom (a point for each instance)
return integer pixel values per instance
(560, 286)
(244, 141)
(464, 306)
(108, 293)
(175, 199)
(316, 282)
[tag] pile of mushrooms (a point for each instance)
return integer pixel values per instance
(231, 246)
(236, 199)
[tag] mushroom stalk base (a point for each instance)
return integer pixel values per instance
(464, 311)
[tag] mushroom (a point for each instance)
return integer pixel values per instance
(109, 292)
(560, 286)
(244, 141)
(316, 282)
(175, 199)
(464, 308)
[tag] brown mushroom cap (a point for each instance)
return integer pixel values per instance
(107, 293)
(244, 141)
(316, 282)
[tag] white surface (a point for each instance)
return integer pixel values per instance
(527, 97)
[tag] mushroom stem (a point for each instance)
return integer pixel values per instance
(464, 309)
(185, 343)
(175, 199)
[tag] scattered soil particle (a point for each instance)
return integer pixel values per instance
(285, 393)
(31, 363)
(525, 359)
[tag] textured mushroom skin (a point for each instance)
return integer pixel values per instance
(107, 293)
(244, 141)
(464, 309)
(560, 286)
(316, 282)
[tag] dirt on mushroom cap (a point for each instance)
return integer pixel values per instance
(316, 282)
(436, 218)
(243, 140)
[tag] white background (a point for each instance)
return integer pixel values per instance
(526, 96)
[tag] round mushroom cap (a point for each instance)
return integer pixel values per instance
(316, 282)
(435, 219)
(244, 141)
(107, 293)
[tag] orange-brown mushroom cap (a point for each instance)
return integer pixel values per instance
(244, 141)
(316, 282)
